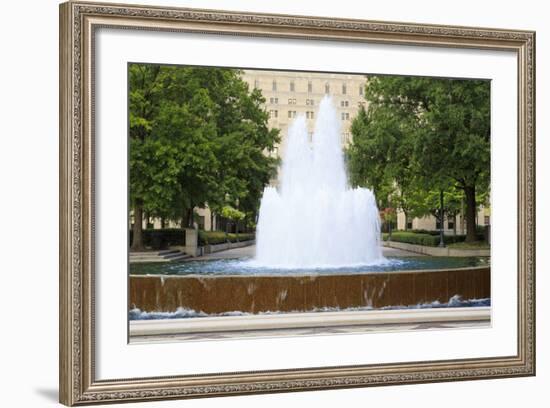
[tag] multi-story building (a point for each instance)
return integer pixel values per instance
(290, 93)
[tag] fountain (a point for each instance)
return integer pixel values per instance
(315, 220)
(317, 249)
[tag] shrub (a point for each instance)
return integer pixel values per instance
(161, 238)
(219, 237)
(415, 238)
(428, 238)
(423, 231)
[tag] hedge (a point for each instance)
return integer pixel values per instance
(426, 239)
(480, 231)
(219, 237)
(161, 238)
(166, 237)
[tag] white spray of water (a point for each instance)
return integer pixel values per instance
(315, 220)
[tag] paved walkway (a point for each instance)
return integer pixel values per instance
(163, 338)
(249, 251)
(387, 251)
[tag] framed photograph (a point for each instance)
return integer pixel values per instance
(256, 203)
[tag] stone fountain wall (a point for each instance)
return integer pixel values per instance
(253, 294)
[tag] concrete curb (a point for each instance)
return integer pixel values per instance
(303, 320)
(436, 251)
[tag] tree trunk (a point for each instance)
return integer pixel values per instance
(190, 220)
(137, 241)
(470, 193)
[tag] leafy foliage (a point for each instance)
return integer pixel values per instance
(198, 136)
(232, 213)
(421, 136)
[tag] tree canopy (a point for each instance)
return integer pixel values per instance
(420, 136)
(198, 136)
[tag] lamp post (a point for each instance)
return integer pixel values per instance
(389, 224)
(441, 236)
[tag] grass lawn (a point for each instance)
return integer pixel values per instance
(470, 245)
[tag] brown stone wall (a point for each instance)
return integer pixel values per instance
(217, 294)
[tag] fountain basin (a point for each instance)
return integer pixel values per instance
(218, 294)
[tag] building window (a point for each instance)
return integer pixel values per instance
(273, 114)
(451, 224)
(344, 104)
(344, 89)
(291, 86)
(291, 114)
(361, 104)
(274, 101)
(409, 224)
(309, 86)
(274, 86)
(309, 115)
(327, 88)
(345, 116)
(487, 220)
(256, 84)
(361, 93)
(310, 102)
(292, 101)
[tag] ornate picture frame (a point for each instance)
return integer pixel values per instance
(78, 24)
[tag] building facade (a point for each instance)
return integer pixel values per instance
(450, 226)
(289, 94)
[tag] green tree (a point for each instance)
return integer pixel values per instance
(197, 137)
(380, 157)
(444, 137)
(429, 204)
(234, 216)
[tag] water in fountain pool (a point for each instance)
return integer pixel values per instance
(249, 266)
